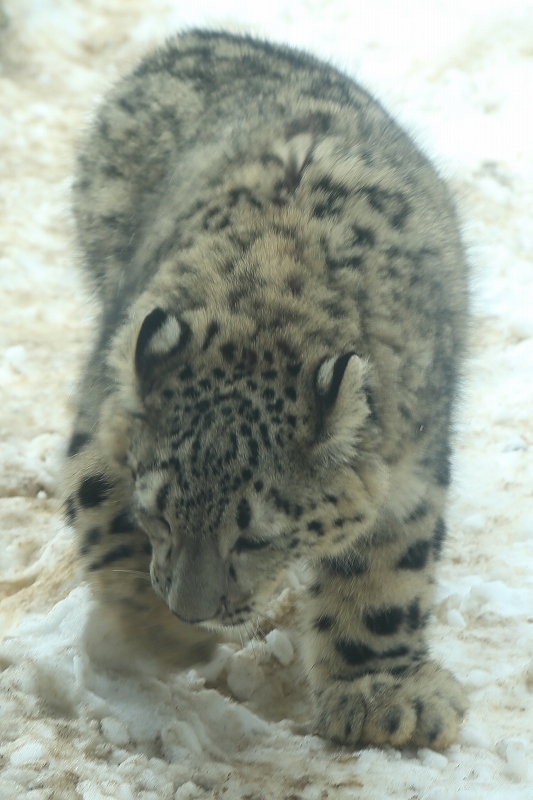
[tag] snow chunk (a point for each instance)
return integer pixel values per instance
(430, 758)
(438, 793)
(478, 678)
(474, 738)
(29, 752)
(496, 597)
(527, 528)
(456, 619)
(244, 676)
(188, 791)
(90, 791)
(529, 675)
(211, 671)
(511, 445)
(16, 356)
(280, 646)
(474, 523)
(115, 731)
(514, 753)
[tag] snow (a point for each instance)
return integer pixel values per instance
(457, 76)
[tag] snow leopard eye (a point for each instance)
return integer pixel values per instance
(161, 335)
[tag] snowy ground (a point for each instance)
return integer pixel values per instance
(458, 75)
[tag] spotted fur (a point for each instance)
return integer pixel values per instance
(283, 313)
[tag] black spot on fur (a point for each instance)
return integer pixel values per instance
(228, 351)
(418, 704)
(294, 369)
(439, 536)
(443, 468)
(324, 623)
(70, 510)
(94, 490)
(435, 731)
(123, 551)
(440, 465)
(346, 566)
(354, 653)
(399, 670)
(263, 430)
(123, 522)
(211, 332)
(416, 556)
(253, 447)
(385, 621)
(393, 205)
(316, 526)
(334, 197)
(77, 443)
(314, 122)
(392, 720)
(363, 237)
(413, 619)
(420, 511)
(244, 514)
(92, 537)
(395, 652)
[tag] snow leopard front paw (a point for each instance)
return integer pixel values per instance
(422, 708)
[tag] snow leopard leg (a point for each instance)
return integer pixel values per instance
(367, 656)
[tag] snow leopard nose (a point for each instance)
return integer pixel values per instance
(198, 585)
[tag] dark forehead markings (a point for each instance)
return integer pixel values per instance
(294, 369)
(211, 332)
(228, 351)
(244, 514)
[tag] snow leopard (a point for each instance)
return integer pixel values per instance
(283, 295)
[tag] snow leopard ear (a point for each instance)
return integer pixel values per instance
(295, 154)
(161, 335)
(344, 402)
